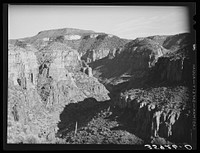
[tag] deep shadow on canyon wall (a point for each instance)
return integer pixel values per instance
(81, 112)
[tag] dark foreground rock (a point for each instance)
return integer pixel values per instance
(158, 112)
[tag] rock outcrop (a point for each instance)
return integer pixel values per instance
(174, 67)
(177, 42)
(95, 47)
(112, 53)
(86, 69)
(173, 70)
(162, 74)
(159, 112)
(22, 67)
(90, 44)
(41, 83)
(136, 60)
(133, 61)
(147, 78)
(89, 71)
(62, 65)
(26, 117)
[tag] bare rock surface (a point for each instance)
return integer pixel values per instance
(73, 86)
(41, 83)
(157, 112)
(95, 48)
(143, 58)
(159, 68)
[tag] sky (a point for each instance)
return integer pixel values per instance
(127, 22)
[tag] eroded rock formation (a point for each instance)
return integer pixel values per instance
(22, 69)
(163, 75)
(86, 69)
(41, 83)
(159, 112)
(96, 47)
(147, 79)
(173, 69)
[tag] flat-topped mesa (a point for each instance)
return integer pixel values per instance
(92, 45)
(64, 31)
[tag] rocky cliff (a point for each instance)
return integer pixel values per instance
(157, 112)
(163, 75)
(98, 46)
(141, 58)
(58, 75)
(90, 45)
(22, 66)
(131, 62)
(41, 83)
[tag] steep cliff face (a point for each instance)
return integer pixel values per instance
(176, 42)
(28, 121)
(140, 59)
(159, 39)
(63, 64)
(132, 61)
(157, 112)
(85, 68)
(173, 70)
(174, 67)
(22, 66)
(98, 46)
(150, 83)
(147, 80)
(59, 58)
(41, 83)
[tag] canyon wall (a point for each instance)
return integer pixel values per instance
(148, 80)
(158, 112)
(40, 84)
(173, 69)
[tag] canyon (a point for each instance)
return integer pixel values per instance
(114, 90)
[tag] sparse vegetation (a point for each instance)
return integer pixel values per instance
(66, 106)
(99, 130)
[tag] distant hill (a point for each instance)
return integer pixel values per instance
(85, 41)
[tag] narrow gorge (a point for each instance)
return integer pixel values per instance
(71, 86)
